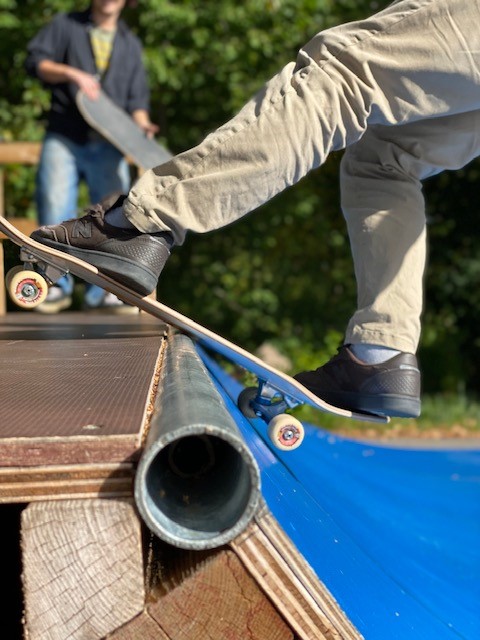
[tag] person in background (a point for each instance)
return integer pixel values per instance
(89, 51)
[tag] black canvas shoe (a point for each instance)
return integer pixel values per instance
(128, 256)
(391, 388)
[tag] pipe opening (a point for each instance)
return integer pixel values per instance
(191, 457)
(199, 483)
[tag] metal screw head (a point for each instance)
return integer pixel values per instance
(28, 291)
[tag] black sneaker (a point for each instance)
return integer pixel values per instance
(391, 388)
(128, 256)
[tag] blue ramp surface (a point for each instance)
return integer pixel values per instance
(393, 533)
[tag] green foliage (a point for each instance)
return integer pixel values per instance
(283, 274)
(451, 340)
(206, 59)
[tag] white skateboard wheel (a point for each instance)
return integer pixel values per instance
(9, 275)
(286, 432)
(27, 289)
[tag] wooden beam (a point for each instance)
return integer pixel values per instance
(20, 152)
(25, 225)
(29, 153)
(82, 568)
(211, 599)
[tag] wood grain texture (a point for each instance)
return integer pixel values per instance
(218, 601)
(24, 225)
(281, 571)
(82, 568)
(28, 484)
(46, 451)
(143, 627)
(20, 152)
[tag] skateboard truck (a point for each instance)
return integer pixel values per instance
(28, 284)
(49, 271)
(265, 402)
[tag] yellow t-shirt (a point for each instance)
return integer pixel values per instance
(102, 44)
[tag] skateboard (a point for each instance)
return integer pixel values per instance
(116, 126)
(275, 392)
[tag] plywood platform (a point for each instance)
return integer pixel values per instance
(75, 394)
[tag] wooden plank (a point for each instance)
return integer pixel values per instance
(20, 152)
(218, 600)
(27, 484)
(76, 388)
(82, 568)
(279, 569)
(63, 473)
(68, 491)
(24, 225)
(67, 388)
(29, 153)
(34, 452)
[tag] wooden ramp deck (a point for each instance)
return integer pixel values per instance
(75, 393)
(76, 396)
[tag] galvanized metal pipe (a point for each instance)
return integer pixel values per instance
(197, 485)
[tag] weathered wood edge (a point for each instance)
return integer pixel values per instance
(35, 452)
(288, 580)
(56, 482)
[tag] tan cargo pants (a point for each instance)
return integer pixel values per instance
(401, 91)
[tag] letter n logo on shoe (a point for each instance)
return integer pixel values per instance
(82, 228)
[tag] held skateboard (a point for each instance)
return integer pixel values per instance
(116, 126)
(270, 400)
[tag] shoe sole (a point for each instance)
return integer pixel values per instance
(123, 270)
(393, 406)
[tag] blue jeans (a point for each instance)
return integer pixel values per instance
(63, 164)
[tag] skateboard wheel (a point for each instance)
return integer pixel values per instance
(244, 402)
(9, 275)
(27, 289)
(286, 432)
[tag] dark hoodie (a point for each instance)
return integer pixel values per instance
(66, 40)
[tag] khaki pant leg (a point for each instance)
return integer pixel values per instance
(384, 208)
(416, 59)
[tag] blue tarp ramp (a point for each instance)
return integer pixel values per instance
(392, 533)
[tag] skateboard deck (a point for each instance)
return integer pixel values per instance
(276, 392)
(116, 126)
